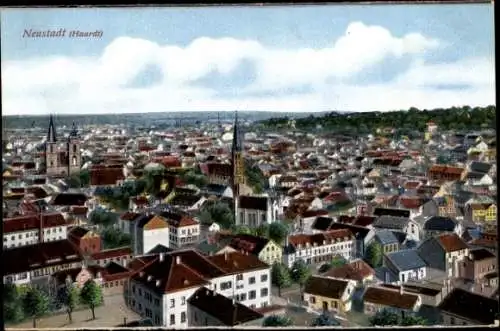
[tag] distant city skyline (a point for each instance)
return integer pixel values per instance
(288, 58)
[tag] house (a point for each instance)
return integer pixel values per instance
(126, 222)
(265, 249)
(161, 289)
(209, 308)
(431, 294)
(358, 271)
(362, 235)
(150, 231)
(138, 204)
(111, 278)
(387, 240)
(482, 213)
(446, 173)
(329, 294)
(254, 211)
(33, 264)
(401, 224)
(437, 225)
(87, 241)
(444, 252)
(461, 307)
(34, 228)
(106, 175)
(187, 202)
(376, 299)
(217, 173)
(120, 255)
(184, 230)
(478, 266)
(406, 265)
(319, 248)
(218, 190)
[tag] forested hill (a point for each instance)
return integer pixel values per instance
(454, 118)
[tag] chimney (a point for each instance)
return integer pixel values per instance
(225, 255)
(158, 283)
(162, 257)
(150, 278)
(400, 288)
(177, 259)
(386, 274)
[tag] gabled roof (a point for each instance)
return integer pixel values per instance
(326, 286)
(386, 237)
(222, 308)
(391, 222)
(405, 260)
(470, 306)
(69, 199)
(390, 298)
(451, 242)
(251, 202)
(357, 270)
(440, 223)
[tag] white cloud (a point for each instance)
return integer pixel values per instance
(101, 85)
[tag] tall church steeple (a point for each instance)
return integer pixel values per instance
(51, 134)
(238, 163)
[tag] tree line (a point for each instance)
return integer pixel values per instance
(406, 121)
(32, 302)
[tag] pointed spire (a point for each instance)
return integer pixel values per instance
(237, 138)
(51, 134)
(74, 131)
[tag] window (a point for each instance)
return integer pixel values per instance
(183, 301)
(183, 317)
(251, 280)
(263, 278)
(264, 292)
(452, 320)
(133, 288)
(157, 302)
(239, 277)
(157, 320)
(20, 236)
(252, 295)
(172, 319)
(225, 286)
(172, 303)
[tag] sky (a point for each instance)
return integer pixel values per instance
(277, 58)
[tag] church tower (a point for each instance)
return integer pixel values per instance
(74, 153)
(238, 163)
(51, 149)
(237, 157)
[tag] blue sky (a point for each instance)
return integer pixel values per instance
(223, 58)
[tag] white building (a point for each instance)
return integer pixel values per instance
(161, 290)
(254, 211)
(150, 231)
(184, 230)
(32, 229)
(319, 248)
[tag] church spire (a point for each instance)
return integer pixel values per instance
(74, 131)
(237, 135)
(51, 134)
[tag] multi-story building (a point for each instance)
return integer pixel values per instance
(150, 230)
(320, 247)
(161, 290)
(184, 230)
(329, 294)
(33, 264)
(33, 229)
(87, 241)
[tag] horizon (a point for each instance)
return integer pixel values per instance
(289, 59)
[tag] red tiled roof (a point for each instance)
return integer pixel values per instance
(112, 253)
(32, 222)
(451, 242)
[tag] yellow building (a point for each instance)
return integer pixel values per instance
(265, 249)
(271, 253)
(329, 294)
(483, 212)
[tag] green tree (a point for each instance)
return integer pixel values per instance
(374, 254)
(280, 276)
(103, 218)
(385, 318)
(84, 177)
(113, 238)
(325, 319)
(242, 229)
(221, 214)
(413, 320)
(91, 295)
(277, 320)
(300, 273)
(69, 299)
(278, 232)
(262, 231)
(337, 261)
(12, 304)
(36, 304)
